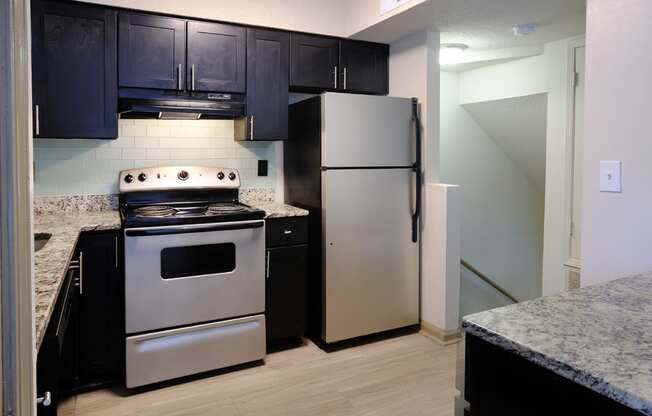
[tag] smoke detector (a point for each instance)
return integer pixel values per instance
(524, 30)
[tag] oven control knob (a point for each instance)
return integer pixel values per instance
(129, 178)
(142, 177)
(183, 175)
(232, 176)
(220, 175)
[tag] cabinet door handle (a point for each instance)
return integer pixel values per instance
(251, 127)
(179, 76)
(335, 77)
(192, 77)
(116, 253)
(269, 254)
(81, 272)
(344, 86)
(38, 121)
(46, 400)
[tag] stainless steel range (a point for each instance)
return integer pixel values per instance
(194, 273)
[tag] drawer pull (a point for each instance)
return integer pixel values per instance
(287, 232)
(46, 400)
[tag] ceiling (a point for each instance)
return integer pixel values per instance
(485, 24)
(518, 126)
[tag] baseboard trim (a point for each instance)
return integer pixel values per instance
(439, 335)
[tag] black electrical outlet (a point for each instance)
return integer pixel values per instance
(262, 167)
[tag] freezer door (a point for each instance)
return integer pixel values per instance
(362, 130)
(371, 265)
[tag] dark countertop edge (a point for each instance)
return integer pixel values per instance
(581, 377)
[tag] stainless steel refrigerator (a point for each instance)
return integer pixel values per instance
(354, 162)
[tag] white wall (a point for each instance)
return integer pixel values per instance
(414, 72)
(548, 73)
(518, 78)
(502, 225)
(361, 14)
(86, 166)
(315, 16)
(617, 228)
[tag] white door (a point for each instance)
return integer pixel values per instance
(371, 264)
(578, 146)
(364, 131)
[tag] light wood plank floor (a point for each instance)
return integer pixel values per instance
(407, 376)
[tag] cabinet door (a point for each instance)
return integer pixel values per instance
(152, 51)
(364, 67)
(286, 291)
(101, 316)
(74, 71)
(313, 62)
(268, 56)
(216, 57)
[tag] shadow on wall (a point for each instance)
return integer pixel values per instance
(478, 296)
(496, 151)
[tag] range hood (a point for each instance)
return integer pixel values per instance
(181, 106)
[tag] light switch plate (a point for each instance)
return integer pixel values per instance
(610, 176)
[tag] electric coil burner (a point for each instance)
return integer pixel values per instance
(194, 273)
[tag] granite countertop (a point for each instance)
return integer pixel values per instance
(51, 262)
(599, 337)
(279, 210)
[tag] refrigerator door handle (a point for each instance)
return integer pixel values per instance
(417, 171)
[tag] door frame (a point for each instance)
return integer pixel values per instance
(570, 265)
(16, 242)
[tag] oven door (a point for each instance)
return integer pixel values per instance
(179, 275)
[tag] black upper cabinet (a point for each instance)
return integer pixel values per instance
(101, 316)
(268, 56)
(314, 62)
(74, 71)
(152, 51)
(216, 57)
(364, 67)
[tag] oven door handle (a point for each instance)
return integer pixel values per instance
(146, 232)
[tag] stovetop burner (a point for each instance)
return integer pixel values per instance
(155, 211)
(151, 215)
(182, 195)
(226, 208)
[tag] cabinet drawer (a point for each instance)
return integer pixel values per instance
(286, 231)
(173, 353)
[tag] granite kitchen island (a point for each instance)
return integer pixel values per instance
(587, 351)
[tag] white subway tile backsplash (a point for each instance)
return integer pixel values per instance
(159, 131)
(134, 153)
(135, 129)
(157, 153)
(122, 142)
(108, 153)
(146, 142)
(83, 166)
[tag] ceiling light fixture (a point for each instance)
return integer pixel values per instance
(451, 53)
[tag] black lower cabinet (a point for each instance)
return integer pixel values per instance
(56, 345)
(82, 346)
(286, 292)
(101, 312)
(499, 382)
(286, 280)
